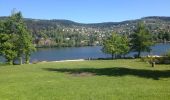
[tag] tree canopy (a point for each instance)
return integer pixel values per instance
(116, 45)
(141, 39)
(15, 39)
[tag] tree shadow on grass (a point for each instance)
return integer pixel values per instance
(116, 71)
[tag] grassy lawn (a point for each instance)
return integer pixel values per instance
(88, 80)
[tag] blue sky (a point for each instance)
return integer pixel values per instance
(87, 11)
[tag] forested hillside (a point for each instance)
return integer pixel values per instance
(69, 33)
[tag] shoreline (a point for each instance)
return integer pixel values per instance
(75, 60)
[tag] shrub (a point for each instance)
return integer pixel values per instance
(156, 59)
(167, 54)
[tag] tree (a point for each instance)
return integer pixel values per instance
(7, 43)
(15, 39)
(116, 45)
(24, 42)
(124, 45)
(141, 39)
(167, 36)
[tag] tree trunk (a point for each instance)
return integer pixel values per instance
(27, 60)
(20, 60)
(124, 56)
(10, 62)
(139, 53)
(112, 55)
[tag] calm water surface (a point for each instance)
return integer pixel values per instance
(52, 54)
(68, 53)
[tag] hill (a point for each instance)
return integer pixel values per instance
(50, 32)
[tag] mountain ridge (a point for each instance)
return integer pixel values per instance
(147, 17)
(63, 23)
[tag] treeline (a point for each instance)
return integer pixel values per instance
(15, 39)
(61, 33)
(59, 38)
(162, 36)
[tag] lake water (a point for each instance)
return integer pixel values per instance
(69, 53)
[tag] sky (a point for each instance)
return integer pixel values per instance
(87, 11)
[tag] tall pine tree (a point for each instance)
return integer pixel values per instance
(141, 39)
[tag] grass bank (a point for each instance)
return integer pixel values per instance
(87, 80)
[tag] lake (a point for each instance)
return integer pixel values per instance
(67, 53)
(70, 53)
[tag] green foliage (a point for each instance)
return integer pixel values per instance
(49, 30)
(7, 42)
(7, 48)
(116, 45)
(15, 39)
(157, 60)
(124, 45)
(141, 39)
(164, 35)
(167, 54)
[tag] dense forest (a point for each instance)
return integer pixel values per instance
(49, 33)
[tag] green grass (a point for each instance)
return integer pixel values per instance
(88, 80)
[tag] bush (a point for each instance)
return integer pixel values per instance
(156, 59)
(167, 54)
